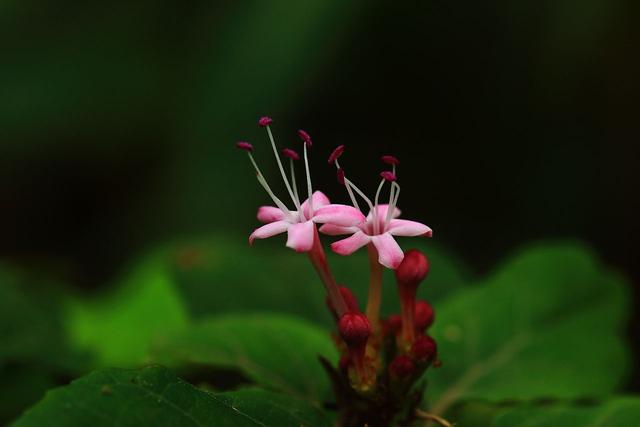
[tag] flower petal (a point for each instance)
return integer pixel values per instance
(337, 230)
(269, 230)
(382, 212)
(269, 214)
(403, 227)
(389, 253)
(319, 200)
(342, 215)
(350, 244)
(300, 236)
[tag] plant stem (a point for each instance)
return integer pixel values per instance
(433, 417)
(319, 261)
(375, 288)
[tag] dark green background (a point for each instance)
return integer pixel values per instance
(514, 120)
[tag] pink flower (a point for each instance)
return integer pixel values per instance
(389, 253)
(301, 228)
(382, 223)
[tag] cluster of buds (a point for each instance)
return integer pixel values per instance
(382, 359)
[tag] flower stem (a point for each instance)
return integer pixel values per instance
(375, 288)
(319, 260)
(408, 309)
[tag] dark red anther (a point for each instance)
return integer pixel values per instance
(389, 176)
(288, 152)
(340, 176)
(336, 154)
(424, 349)
(244, 145)
(390, 160)
(265, 121)
(424, 315)
(402, 367)
(305, 137)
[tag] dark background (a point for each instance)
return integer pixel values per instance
(514, 120)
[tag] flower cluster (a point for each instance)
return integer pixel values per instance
(381, 358)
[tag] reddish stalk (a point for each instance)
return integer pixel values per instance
(319, 260)
(375, 288)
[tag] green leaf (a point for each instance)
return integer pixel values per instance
(226, 275)
(279, 352)
(622, 411)
(119, 327)
(154, 396)
(549, 323)
(615, 411)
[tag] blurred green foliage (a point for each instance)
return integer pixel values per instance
(546, 324)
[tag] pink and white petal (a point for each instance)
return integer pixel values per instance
(389, 253)
(382, 212)
(336, 230)
(350, 244)
(300, 236)
(269, 214)
(319, 200)
(404, 227)
(269, 230)
(342, 215)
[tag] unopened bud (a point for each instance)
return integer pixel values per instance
(424, 349)
(424, 315)
(354, 329)
(349, 299)
(413, 268)
(402, 366)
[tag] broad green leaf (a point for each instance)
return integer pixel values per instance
(276, 351)
(34, 353)
(226, 275)
(154, 396)
(619, 412)
(29, 319)
(549, 323)
(118, 328)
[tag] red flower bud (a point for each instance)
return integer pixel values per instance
(349, 299)
(424, 315)
(424, 349)
(392, 324)
(413, 269)
(354, 329)
(402, 366)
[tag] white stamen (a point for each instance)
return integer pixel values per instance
(284, 176)
(293, 181)
(392, 204)
(376, 225)
(265, 185)
(347, 184)
(309, 189)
